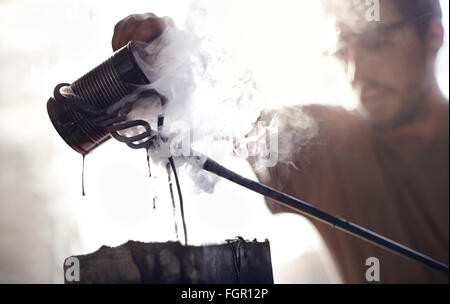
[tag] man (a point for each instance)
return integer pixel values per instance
(384, 166)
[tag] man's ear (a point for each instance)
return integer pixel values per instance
(434, 38)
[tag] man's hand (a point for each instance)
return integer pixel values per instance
(139, 27)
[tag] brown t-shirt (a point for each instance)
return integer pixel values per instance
(393, 183)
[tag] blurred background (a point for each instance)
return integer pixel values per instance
(43, 216)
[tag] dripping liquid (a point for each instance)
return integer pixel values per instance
(82, 177)
(154, 202)
(148, 163)
(180, 197)
(169, 179)
(235, 246)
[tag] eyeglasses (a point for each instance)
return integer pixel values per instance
(373, 39)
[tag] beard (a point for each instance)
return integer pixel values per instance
(410, 105)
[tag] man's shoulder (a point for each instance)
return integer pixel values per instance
(315, 110)
(329, 112)
(327, 117)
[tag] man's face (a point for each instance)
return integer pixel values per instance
(386, 66)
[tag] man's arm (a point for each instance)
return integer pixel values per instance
(309, 137)
(295, 168)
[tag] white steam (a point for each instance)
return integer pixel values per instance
(206, 111)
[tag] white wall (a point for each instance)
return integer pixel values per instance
(44, 218)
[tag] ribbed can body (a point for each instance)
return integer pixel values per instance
(101, 87)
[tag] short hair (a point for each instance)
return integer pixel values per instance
(421, 10)
(349, 12)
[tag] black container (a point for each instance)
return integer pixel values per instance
(103, 86)
(235, 262)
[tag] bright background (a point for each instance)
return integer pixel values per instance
(44, 218)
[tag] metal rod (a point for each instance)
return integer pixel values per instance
(335, 221)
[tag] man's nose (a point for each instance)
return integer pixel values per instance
(360, 66)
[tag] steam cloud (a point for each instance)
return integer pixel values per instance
(208, 110)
